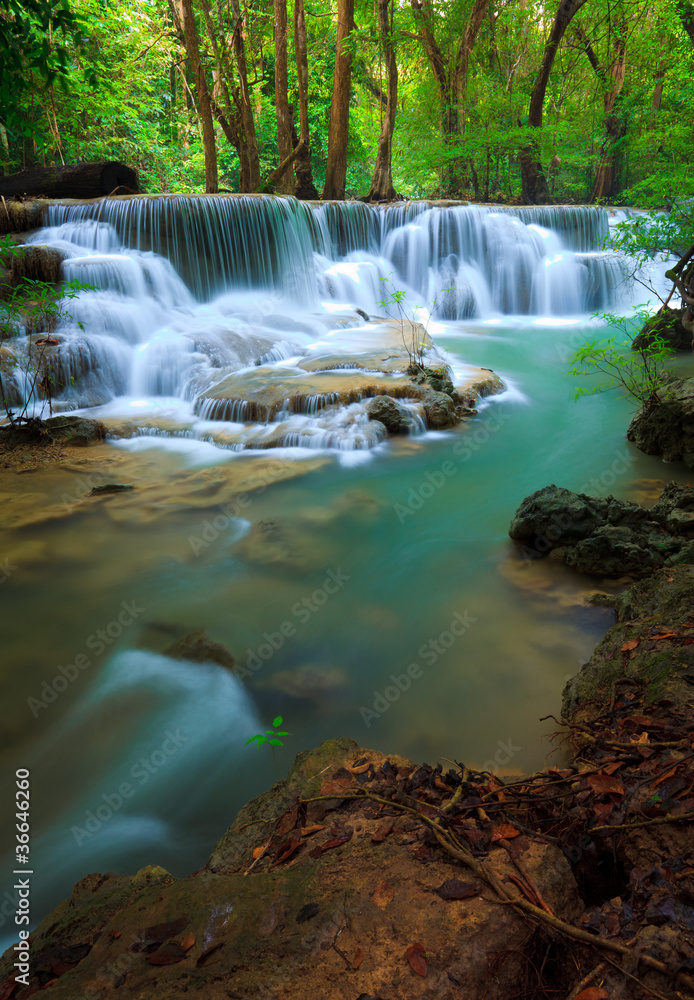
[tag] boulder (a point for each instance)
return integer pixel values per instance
(667, 429)
(667, 324)
(76, 431)
(605, 536)
(394, 416)
(441, 410)
(335, 907)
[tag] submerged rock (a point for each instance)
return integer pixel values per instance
(606, 536)
(668, 429)
(197, 647)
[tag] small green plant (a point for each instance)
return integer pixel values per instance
(641, 374)
(416, 346)
(271, 737)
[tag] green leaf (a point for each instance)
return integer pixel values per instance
(278, 721)
(258, 737)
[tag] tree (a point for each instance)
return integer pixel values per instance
(36, 40)
(382, 181)
(611, 82)
(338, 130)
(183, 14)
(450, 72)
(305, 187)
(535, 189)
(285, 183)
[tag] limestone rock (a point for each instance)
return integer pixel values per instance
(441, 411)
(392, 415)
(668, 429)
(605, 536)
(667, 324)
(660, 605)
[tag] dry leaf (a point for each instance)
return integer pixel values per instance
(358, 768)
(417, 958)
(308, 831)
(381, 833)
(593, 993)
(453, 888)
(383, 894)
(358, 959)
(288, 821)
(188, 941)
(631, 644)
(605, 784)
(504, 831)
(257, 851)
(115, 934)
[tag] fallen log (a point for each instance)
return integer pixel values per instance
(72, 180)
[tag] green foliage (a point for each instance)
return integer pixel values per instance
(85, 79)
(643, 374)
(37, 38)
(271, 737)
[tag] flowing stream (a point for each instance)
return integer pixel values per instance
(367, 588)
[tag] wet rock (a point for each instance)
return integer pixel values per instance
(605, 536)
(37, 263)
(652, 644)
(109, 488)
(270, 931)
(394, 417)
(197, 647)
(75, 431)
(306, 683)
(666, 324)
(668, 429)
(441, 411)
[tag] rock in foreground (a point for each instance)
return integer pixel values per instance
(605, 536)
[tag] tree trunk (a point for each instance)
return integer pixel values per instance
(534, 182)
(382, 181)
(305, 188)
(423, 14)
(612, 81)
(338, 130)
(74, 180)
(250, 163)
(285, 184)
(184, 10)
(474, 23)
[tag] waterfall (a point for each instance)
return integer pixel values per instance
(180, 292)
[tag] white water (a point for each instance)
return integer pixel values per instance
(269, 281)
(151, 342)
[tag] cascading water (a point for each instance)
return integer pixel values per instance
(184, 291)
(189, 292)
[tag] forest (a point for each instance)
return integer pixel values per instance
(489, 100)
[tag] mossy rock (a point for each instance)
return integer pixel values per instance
(666, 324)
(655, 622)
